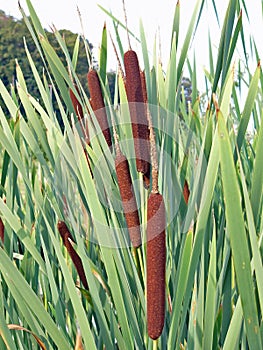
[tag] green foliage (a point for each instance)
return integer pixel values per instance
(214, 270)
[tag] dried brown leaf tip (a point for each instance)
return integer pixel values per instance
(2, 231)
(66, 236)
(155, 261)
(186, 191)
(98, 105)
(2, 228)
(128, 199)
(138, 115)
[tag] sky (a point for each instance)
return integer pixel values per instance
(154, 14)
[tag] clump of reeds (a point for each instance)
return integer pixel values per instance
(66, 237)
(98, 105)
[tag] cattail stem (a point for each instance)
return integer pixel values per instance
(87, 49)
(66, 237)
(154, 157)
(118, 59)
(126, 23)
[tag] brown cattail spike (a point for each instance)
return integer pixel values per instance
(66, 235)
(146, 176)
(80, 115)
(156, 259)
(144, 88)
(137, 111)
(76, 104)
(97, 104)
(128, 199)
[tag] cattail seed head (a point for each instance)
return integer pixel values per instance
(139, 121)
(66, 235)
(80, 115)
(144, 88)
(156, 260)
(128, 199)
(76, 104)
(97, 104)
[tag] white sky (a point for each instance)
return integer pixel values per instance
(154, 14)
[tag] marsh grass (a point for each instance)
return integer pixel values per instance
(214, 273)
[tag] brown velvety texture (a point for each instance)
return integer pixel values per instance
(76, 104)
(139, 121)
(144, 88)
(97, 104)
(156, 260)
(65, 235)
(128, 199)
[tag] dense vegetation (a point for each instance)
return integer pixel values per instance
(12, 35)
(102, 249)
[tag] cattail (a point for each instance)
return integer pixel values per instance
(156, 258)
(76, 104)
(144, 88)
(137, 111)
(128, 199)
(2, 231)
(66, 235)
(186, 192)
(146, 176)
(156, 249)
(97, 104)
(127, 193)
(84, 126)
(79, 112)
